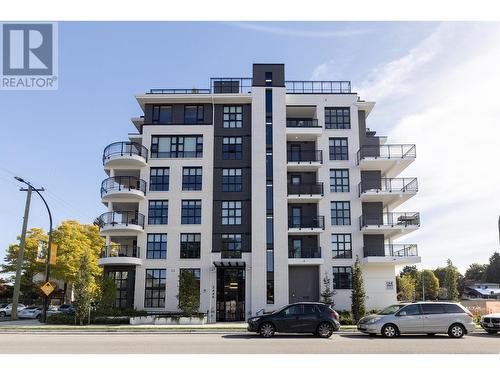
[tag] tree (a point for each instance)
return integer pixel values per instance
(476, 272)
(492, 272)
(327, 293)
(189, 293)
(358, 295)
(85, 289)
(410, 270)
(431, 285)
(451, 281)
(106, 293)
(406, 288)
(440, 273)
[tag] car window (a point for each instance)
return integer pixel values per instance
(321, 308)
(310, 309)
(453, 309)
(390, 310)
(433, 308)
(292, 310)
(411, 310)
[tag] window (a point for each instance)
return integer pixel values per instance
(340, 213)
(432, 308)
(337, 118)
(453, 309)
(338, 149)
(191, 178)
(269, 196)
(293, 310)
(342, 245)
(232, 180)
(191, 212)
(269, 78)
(269, 130)
(193, 114)
(270, 232)
(182, 146)
(156, 246)
(233, 116)
(310, 309)
(269, 101)
(120, 279)
(162, 114)
(158, 212)
(190, 245)
(197, 275)
(342, 277)
(410, 310)
(154, 295)
(231, 245)
(269, 164)
(159, 179)
(231, 212)
(232, 148)
(339, 180)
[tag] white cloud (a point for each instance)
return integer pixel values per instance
(285, 31)
(444, 96)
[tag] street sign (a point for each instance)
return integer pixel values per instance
(47, 288)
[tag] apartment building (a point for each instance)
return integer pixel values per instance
(259, 187)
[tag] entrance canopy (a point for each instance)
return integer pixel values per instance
(229, 264)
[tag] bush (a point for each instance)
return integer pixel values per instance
(61, 319)
(115, 312)
(346, 318)
(111, 320)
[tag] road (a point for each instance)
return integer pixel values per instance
(240, 343)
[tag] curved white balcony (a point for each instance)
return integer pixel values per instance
(121, 223)
(120, 255)
(124, 155)
(123, 189)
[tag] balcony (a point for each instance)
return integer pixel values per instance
(298, 193)
(392, 253)
(121, 222)
(230, 254)
(302, 129)
(391, 224)
(122, 255)
(304, 160)
(306, 224)
(125, 155)
(390, 191)
(390, 160)
(304, 256)
(123, 189)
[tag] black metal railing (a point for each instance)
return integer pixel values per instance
(124, 148)
(312, 222)
(305, 189)
(306, 156)
(130, 251)
(318, 87)
(392, 250)
(402, 151)
(307, 253)
(230, 254)
(121, 218)
(390, 185)
(122, 183)
(179, 91)
(302, 123)
(390, 219)
(230, 85)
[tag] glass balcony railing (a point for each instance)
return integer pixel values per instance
(122, 183)
(120, 218)
(302, 123)
(306, 253)
(124, 149)
(312, 156)
(303, 222)
(389, 185)
(130, 251)
(390, 219)
(305, 189)
(392, 250)
(401, 151)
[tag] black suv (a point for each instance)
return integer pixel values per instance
(303, 317)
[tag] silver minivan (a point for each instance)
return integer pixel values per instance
(419, 317)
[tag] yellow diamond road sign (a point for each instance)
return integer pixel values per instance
(47, 288)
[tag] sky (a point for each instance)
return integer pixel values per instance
(435, 84)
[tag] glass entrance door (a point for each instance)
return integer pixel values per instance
(230, 294)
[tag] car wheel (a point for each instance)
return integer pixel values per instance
(389, 331)
(266, 330)
(2, 314)
(491, 332)
(456, 331)
(325, 330)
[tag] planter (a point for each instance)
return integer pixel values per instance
(168, 320)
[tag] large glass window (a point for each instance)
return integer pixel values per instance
(156, 246)
(190, 245)
(231, 212)
(232, 148)
(155, 290)
(191, 212)
(191, 178)
(159, 179)
(340, 212)
(232, 180)
(158, 212)
(193, 114)
(120, 279)
(233, 116)
(339, 149)
(182, 146)
(342, 245)
(231, 245)
(339, 180)
(342, 277)
(162, 114)
(337, 118)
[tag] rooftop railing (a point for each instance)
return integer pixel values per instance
(318, 87)
(231, 85)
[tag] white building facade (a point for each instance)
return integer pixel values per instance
(260, 187)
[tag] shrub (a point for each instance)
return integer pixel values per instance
(346, 318)
(111, 320)
(61, 319)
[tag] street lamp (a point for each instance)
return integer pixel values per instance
(47, 260)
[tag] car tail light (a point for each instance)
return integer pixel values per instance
(334, 315)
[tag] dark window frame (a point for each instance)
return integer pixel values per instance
(199, 115)
(156, 284)
(159, 182)
(176, 150)
(156, 114)
(342, 277)
(190, 245)
(192, 178)
(231, 212)
(341, 245)
(232, 148)
(191, 211)
(231, 242)
(338, 151)
(157, 215)
(344, 185)
(121, 286)
(230, 119)
(232, 179)
(340, 215)
(156, 245)
(335, 118)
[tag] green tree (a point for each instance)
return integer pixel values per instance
(475, 272)
(189, 293)
(327, 293)
(492, 273)
(431, 284)
(410, 270)
(451, 281)
(85, 289)
(440, 273)
(358, 295)
(105, 293)
(406, 288)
